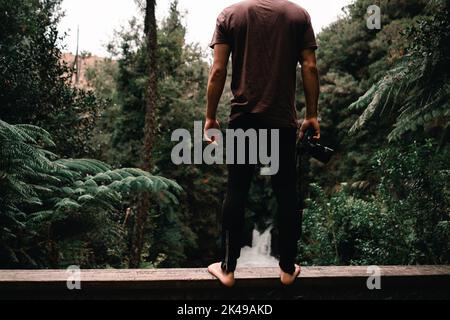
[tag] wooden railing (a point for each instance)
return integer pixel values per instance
(401, 282)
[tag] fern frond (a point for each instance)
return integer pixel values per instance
(420, 80)
(38, 134)
(84, 166)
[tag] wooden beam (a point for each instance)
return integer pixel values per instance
(185, 283)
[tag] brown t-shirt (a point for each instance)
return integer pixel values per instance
(266, 38)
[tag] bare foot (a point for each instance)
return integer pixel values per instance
(227, 279)
(289, 279)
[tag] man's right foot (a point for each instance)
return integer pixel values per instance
(227, 279)
(289, 279)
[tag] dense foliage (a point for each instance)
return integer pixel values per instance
(404, 222)
(34, 83)
(389, 203)
(56, 211)
(60, 211)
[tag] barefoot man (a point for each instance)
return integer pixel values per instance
(267, 40)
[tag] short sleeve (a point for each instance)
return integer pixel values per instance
(308, 40)
(221, 34)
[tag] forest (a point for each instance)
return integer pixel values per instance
(86, 176)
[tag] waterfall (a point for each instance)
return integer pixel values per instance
(258, 255)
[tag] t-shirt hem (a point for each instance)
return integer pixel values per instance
(275, 122)
(313, 46)
(212, 44)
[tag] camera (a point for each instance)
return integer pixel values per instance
(312, 147)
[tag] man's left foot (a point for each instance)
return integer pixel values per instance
(227, 279)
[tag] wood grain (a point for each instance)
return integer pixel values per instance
(339, 282)
(106, 275)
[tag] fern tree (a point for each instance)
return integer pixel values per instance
(45, 200)
(416, 92)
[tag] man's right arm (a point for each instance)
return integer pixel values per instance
(311, 87)
(216, 84)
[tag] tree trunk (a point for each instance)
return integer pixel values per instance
(149, 133)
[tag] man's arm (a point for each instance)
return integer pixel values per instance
(311, 87)
(216, 84)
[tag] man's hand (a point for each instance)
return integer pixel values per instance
(311, 123)
(211, 123)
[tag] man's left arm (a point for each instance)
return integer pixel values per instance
(216, 84)
(311, 87)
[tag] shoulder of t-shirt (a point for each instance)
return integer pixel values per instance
(236, 7)
(300, 10)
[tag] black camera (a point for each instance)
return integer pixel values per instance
(312, 147)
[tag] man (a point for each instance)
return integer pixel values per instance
(267, 40)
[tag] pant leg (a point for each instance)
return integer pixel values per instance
(239, 180)
(289, 216)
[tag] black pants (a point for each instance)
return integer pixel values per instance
(284, 185)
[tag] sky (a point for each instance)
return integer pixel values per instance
(97, 19)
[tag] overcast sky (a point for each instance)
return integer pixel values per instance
(98, 18)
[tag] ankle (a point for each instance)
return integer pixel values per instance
(226, 269)
(290, 270)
